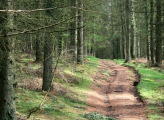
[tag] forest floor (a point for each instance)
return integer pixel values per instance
(113, 92)
(92, 91)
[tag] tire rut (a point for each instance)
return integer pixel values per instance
(114, 94)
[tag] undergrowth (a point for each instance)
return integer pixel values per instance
(67, 102)
(151, 89)
(97, 116)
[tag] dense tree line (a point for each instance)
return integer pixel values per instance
(47, 29)
(74, 29)
(137, 30)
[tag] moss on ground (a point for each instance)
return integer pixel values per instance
(69, 104)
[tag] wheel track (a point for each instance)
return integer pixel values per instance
(113, 94)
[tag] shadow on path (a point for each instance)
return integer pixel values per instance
(113, 93)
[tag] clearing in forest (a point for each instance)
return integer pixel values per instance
(114, 93)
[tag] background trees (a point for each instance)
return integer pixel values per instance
(74, 29)
(45, 29)
(119, 29)
(138, 24)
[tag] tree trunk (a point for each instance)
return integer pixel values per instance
(60, 45)
(147, 36)
(80, 36)
(38, 48)
(7, 97)
(139, 45)
(72, 31)
(39, 39)
(151, 32)
(135, 30)
(122, 33)
(48, 55)
(158, 35)
(76, 30)
(127, 41)
(121, 45)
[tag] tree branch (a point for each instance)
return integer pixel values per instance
(37, 29)
(44, 9)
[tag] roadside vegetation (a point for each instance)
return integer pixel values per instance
(71, 83)
(151, 88)
(65, 102)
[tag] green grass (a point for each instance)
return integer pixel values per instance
(93, 59)
(119, 61)
(69, 106)
(53, 107)
(150, 88)
(27, 99)
(89, 68)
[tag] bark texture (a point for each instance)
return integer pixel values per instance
(158, 35)
(47, 72)
(7, 94)
(80, 35)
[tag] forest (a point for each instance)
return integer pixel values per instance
(81, 60)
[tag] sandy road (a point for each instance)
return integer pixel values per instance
(113, 93)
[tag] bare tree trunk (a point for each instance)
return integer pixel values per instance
(76, 31)
(151, 31)
(7, 97)
(122, 48)
(80, 36)
(121, 44)
(39, 39)
(48, 55)
(138, 45)
(158, 35)
(85, 46)
(73, 31)
(60, 45)
(135, 30)
(147, 36)
(38, 51)
(127, 8)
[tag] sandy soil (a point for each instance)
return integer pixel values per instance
(113, 92)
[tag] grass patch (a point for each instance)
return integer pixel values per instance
(27, 100)
(92, 64)
(151, 89)
(119, 61)
(88, 68)
(67, 106)
(54, 107)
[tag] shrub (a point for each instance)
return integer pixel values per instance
(97, 116)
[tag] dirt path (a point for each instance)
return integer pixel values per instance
(113, 93)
